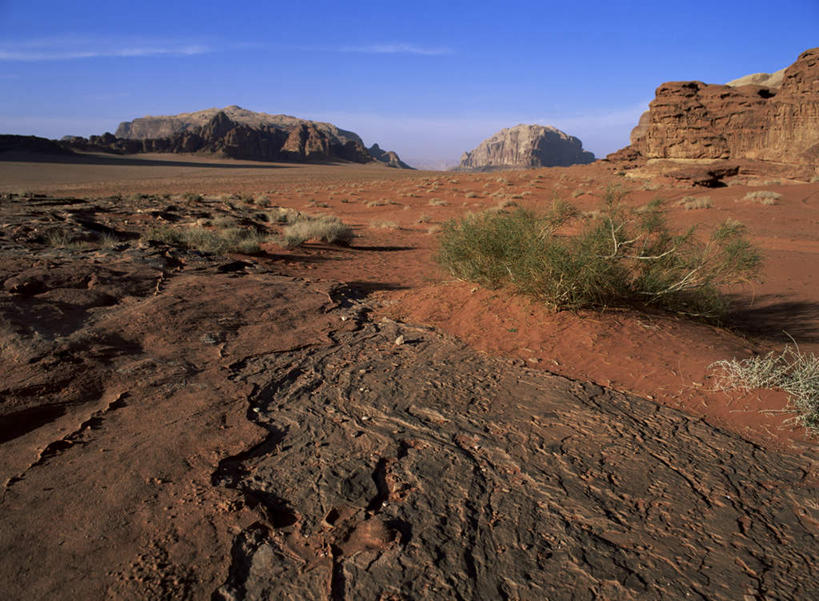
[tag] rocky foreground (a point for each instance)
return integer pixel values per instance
(178, 425)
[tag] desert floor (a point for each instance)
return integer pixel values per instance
(176, 425)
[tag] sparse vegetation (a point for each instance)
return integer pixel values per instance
(690, 203)
(791, 370)
(763, 197)
(324, 228)
(384, 225)
(437, 202)
(622, 258)
(217, 241)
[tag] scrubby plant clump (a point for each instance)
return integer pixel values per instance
(217, 241)
(624, 258)
(792, 371)
(328, 229)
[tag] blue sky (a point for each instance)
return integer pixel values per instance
(427, 79)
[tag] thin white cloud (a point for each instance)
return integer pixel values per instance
(397, 49)
(77, 48)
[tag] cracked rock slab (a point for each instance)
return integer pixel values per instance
(427, 471)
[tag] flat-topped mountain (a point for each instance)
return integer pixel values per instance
(766, 117)
(526, 146)
(240, 134)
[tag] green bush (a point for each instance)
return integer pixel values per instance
(621, 258)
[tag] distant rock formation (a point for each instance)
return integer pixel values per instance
(742, 120)
(388, 157)
(240, 134)
(31, 144)
(526, 146)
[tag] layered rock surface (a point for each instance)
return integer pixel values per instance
(526, 146)
(741, 120)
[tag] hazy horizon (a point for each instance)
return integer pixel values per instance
(428, 81)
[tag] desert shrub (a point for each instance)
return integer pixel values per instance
(61, 238)
(217, 241)
(690, 203)
(384, 225)
(792, 371)
(283, 215)
(437, 202)
(621, 258)
(328, 229)
(763, 197)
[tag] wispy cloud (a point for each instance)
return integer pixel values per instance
(397, 49)
(77, 48)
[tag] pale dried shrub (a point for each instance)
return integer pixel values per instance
(690, 203)
(384, 225)
(763, 197)
(324, 228)
(791, 370)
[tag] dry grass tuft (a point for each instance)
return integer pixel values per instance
(792, 371)
(324, 228)
(690, 203)
(763, 197)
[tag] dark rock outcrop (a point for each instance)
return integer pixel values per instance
(694, 120)
(526, 146)
(31, 144)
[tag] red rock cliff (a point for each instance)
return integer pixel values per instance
(694, 120)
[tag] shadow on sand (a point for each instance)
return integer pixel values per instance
(774, 319)
(132, 160)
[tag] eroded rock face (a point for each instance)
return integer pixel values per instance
(694, 120)
(525, 146)
(236, 133)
